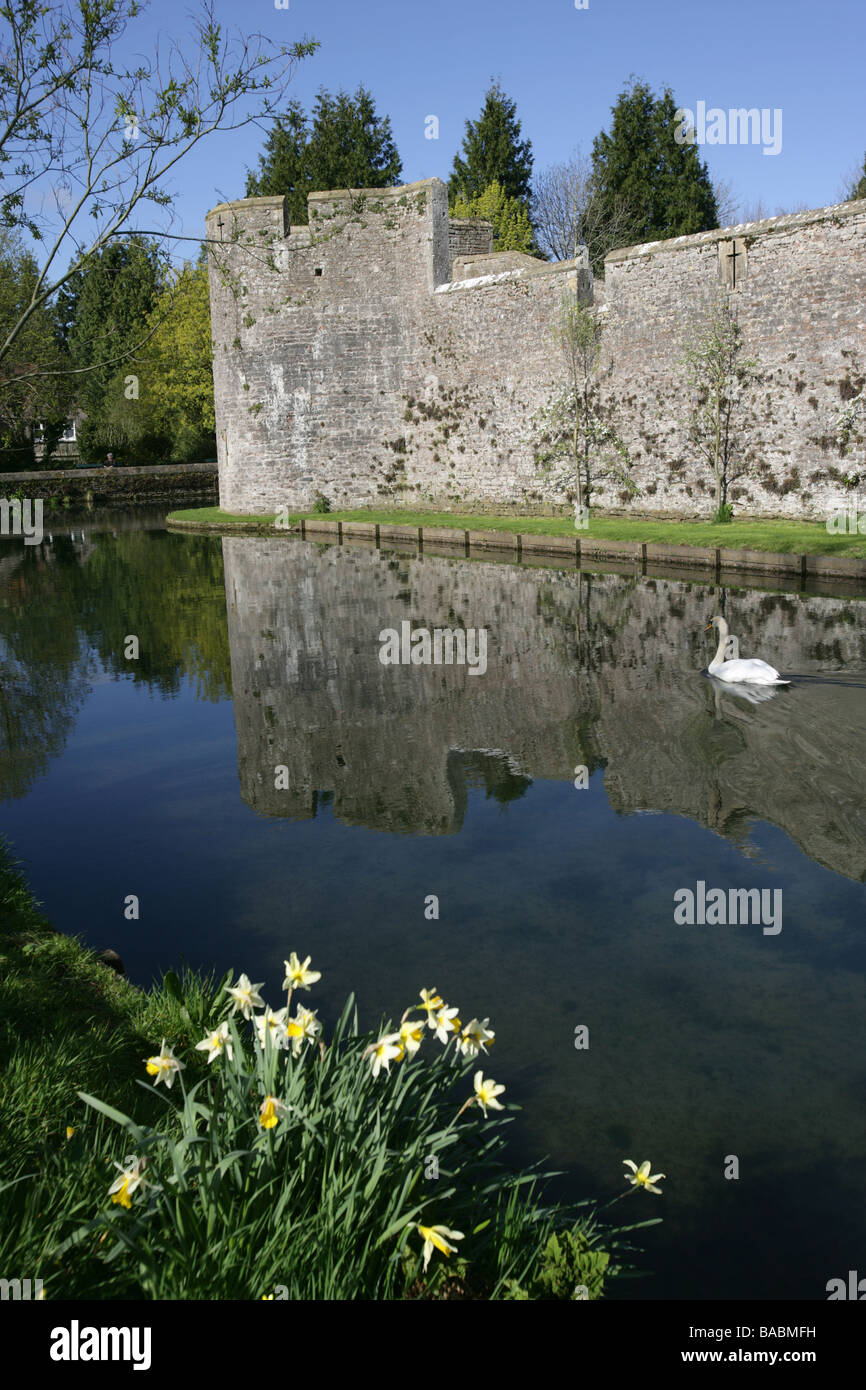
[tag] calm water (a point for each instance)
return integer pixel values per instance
(156, 777)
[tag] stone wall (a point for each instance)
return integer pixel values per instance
(175, 482)
(349, 361)
(468, 236)
(800, 301)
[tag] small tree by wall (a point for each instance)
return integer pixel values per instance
(573, 429)
(717, 375)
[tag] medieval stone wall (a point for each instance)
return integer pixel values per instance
(349, 362)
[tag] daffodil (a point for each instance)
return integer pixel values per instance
(642, 1176)
(303, 1025)
(297, 975)
(475, 1037)
(272, 1025)
(410, 1035)
(384, 1052)
(216, 1043)
(69, 1131)
(438, 1238)
(430, 1003)
(164, 1066)
(131, 1177)
(446, 1022)
(486, 1093)
(271, 1111)
(246, 996)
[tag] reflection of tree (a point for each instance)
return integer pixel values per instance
(66, 602)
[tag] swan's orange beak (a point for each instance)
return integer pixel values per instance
(708, 626)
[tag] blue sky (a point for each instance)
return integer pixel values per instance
(565, 68)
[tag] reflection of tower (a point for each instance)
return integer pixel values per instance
(311, 694)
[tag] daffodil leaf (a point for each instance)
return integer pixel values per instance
(116, 1115)
(482, 1227)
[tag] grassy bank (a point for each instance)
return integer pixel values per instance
(782, 537)
(302, 1165)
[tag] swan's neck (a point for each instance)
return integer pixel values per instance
(719, 658)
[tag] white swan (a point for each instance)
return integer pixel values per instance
(740, 672)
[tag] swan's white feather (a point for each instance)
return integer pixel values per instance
(747, 671)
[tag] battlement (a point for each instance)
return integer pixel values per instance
(386, 354)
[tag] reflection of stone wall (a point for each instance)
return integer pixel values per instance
(580, 668)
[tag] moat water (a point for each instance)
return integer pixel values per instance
(155, 776)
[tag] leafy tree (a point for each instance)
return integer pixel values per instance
(493, 153)
(574, 429)
(90, 142)
(28, 401)
(345, 145)
(717, 374)
(640, 161)
(173, 413)
(512, 229)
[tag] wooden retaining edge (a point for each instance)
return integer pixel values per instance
(576, 549)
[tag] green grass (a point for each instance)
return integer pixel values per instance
(783, 537)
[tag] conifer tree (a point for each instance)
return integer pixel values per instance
(493, 153)
(665, 183)
(344, 145)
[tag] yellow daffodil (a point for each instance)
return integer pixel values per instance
(69, 1131)
(430, 1003)
(131, 1177)
(384, 1052)
(486, 1093)
(216, 1043)
(438, 1238)
(273, 1025)
(304, 1025)
(642, 1176)
(410, 1035)
(297, 975)
(246, 996)
(446, 1022)
(475, 1038)
(164, 1066)
(271, 1111)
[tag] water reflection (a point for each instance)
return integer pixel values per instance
(583, 670)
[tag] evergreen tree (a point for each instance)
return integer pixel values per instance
(33, 388)
(512, 229)
(493, 153)
(104, 312)
(858, 187)
(344, 145)
(640, 162)
(103, 309)
(283, 167)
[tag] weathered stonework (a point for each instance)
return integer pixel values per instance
(349, 361)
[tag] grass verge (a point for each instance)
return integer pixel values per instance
(781, 537)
